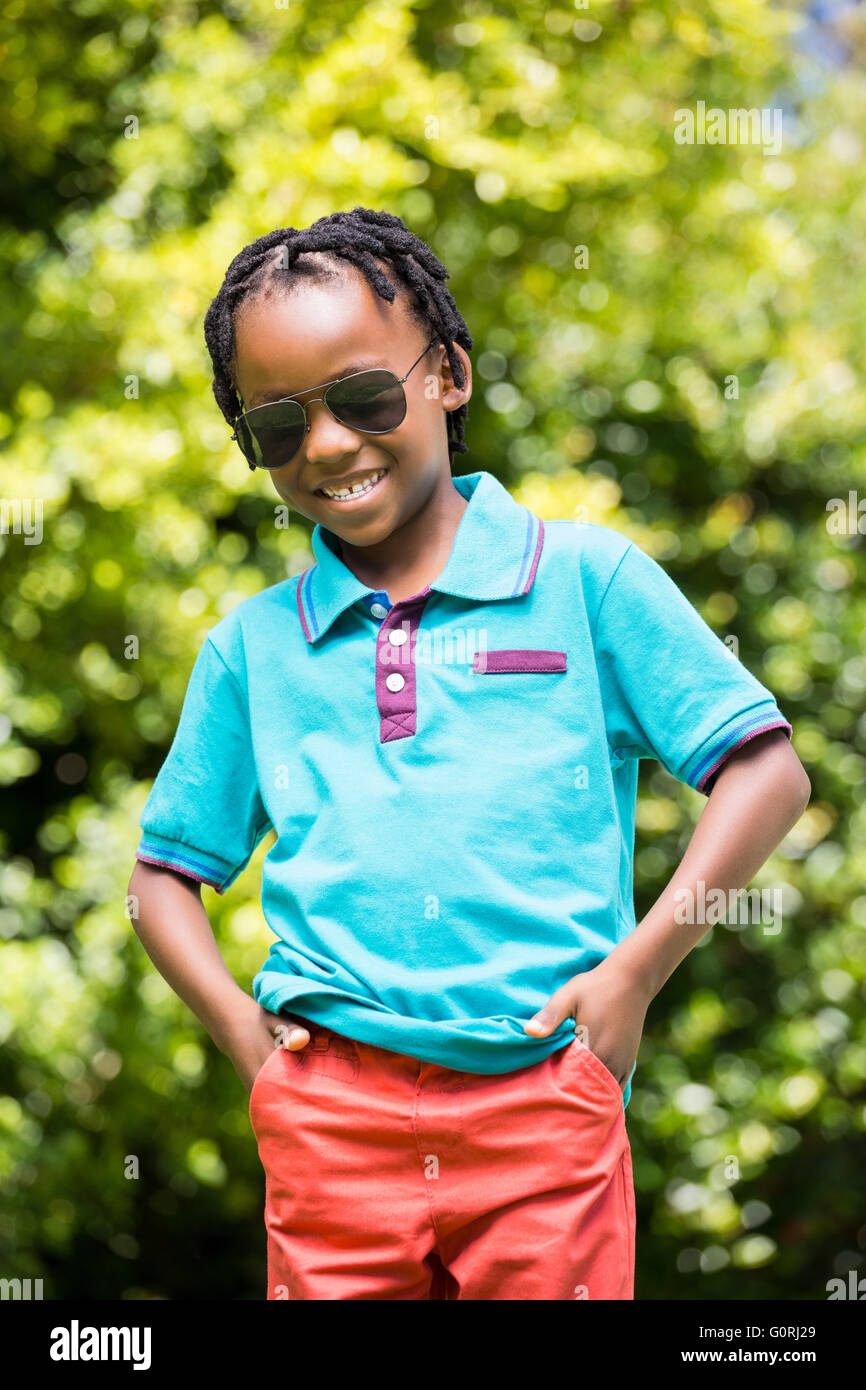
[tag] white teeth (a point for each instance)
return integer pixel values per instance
(356, 490)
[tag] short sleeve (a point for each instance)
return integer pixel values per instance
(671, 688)
(204, 816)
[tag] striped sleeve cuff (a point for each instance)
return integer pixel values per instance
(169, 854)
(701, 769)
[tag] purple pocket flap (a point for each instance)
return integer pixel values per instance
(508, 660)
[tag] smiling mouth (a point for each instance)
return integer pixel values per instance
(350, 493)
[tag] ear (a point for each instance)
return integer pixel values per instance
(453, 396)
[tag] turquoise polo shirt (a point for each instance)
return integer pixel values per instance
(452, 778)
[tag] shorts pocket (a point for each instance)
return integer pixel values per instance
(518, 660)
(328, 1054)
(596, 1065)
(261, 1071)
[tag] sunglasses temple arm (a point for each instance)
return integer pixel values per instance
(418, 359)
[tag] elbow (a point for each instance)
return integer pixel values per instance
(134, 894)
(794, 784)
(795, 787)
(790, 780)
(804, 791)
(133, 878)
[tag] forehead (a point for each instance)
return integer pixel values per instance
(290, 340)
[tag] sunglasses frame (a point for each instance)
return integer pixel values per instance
(338, 380)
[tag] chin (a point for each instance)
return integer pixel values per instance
(363, 535)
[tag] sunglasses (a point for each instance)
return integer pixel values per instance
(373, 402)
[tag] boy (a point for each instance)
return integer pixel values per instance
(441, 719)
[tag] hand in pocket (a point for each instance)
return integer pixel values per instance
(256, 1036)
(608, 1008)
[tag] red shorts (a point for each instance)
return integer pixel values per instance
(387, 1177)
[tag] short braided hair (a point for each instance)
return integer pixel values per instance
(359, 237)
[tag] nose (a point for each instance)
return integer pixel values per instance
(326, 439)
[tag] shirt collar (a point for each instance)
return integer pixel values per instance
(494, 555)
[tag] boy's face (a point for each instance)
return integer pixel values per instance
(292, 342)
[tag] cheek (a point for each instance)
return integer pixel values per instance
(427, 409)
(423, 420)
(283, 489)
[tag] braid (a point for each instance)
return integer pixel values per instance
(360, 237)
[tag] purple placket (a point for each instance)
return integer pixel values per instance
(395, 668)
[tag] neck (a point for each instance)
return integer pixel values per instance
(414, 554)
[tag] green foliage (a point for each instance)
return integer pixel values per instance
(698, 385)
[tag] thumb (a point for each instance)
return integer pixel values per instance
(288, 1032)
(548, 1018)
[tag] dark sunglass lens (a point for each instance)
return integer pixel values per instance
(271, 435)
(371, 401)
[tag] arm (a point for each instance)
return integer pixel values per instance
(174, 930)
(758, 795)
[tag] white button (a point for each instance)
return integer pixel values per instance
(398, 636)
(395, 681)
(378, 611)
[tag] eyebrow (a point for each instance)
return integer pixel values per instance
(362, 365)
